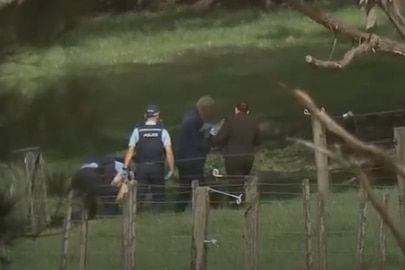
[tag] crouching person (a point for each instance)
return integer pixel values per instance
(92, 183)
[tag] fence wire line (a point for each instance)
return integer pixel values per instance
(177, 160)
(260, 184)
(275, 250)
(228, 191)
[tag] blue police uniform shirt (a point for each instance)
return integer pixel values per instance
(144, 139)
(192, 142)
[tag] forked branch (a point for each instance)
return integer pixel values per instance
(363, 148)
(367, 150)
(344, 62)
(365, 183)
(366, 41)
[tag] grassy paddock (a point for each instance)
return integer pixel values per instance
(97, 79)
(164, 241)
(100, 76)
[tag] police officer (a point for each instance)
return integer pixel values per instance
(92, 181)
(150, 142)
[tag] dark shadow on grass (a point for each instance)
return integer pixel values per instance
(63, 117)
(88, 105)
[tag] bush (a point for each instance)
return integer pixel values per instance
(12, 212)
(58, 180)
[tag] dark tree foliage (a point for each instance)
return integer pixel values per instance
(11, 225)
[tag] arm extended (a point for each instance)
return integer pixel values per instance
(168, 148)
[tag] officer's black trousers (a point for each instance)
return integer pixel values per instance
(93, 186)
(151, 175)
(188, 171)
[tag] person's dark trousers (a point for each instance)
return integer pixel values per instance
(151, 175)
(107, 195)
(84, 184)
(237, 168)
(188, 171)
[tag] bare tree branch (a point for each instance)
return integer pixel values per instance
(344, 62)
(374, 43)
(365, 183)
(365, 149)
(395, 10)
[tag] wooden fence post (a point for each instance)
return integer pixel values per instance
(382, 241)
(129, 206)
(194, 185)
(322, 246)
(322, 167)
(84, 229)
(251, 223)
(66, 232)
(361, 234)
(307, 223)
(200, 230)
(399, 138)
(134, 191)
(38, 217)
(321, 160)
(125, 236)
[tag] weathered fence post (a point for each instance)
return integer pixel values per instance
(128, 227)
(307, 223)
(66, 232)
(134, 191)
(200, 229)
(322, 167)
(125, 228)
(251, 223)
(84, 229)
(194, 185)
(5, 257)
(382, 241)
(321, 160)
(361, 234)
(322, 246)
(399, 139)
(38, 217)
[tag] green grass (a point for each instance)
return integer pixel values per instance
(109, 68)
(163, 242)
(97, 79)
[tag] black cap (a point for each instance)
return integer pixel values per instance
(152, 110)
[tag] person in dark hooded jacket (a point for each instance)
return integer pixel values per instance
(192, 150)
(92, 182)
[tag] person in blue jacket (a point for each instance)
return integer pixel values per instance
(192, 149)
(92, 183)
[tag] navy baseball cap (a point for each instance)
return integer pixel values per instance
(152, 110)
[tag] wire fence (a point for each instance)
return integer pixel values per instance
(287, 223)
(281, 233)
